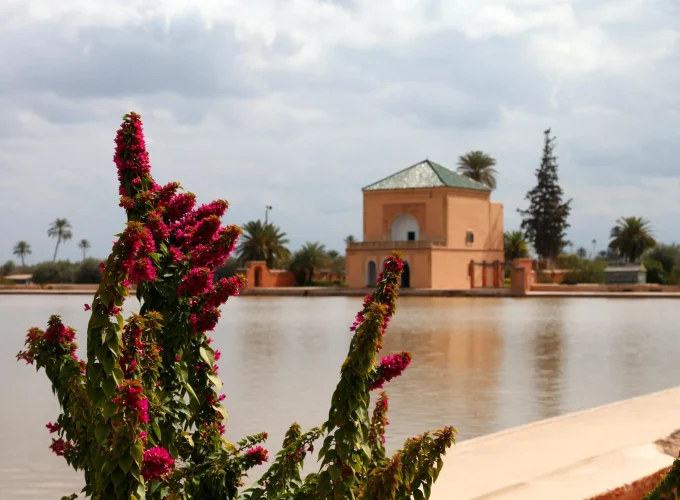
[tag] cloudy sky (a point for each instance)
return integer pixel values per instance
(300, 103)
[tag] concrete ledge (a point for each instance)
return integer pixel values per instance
(576, 456)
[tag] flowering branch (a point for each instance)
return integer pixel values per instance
(143, 418)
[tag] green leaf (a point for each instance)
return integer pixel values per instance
(108, 363)
(118, 374)
(208, 355)
(215, 380)
(156, 429)
(121, 320)
(125, 462)
(109, 409)
(117, 476)
(183, 372)
(137, 452)
(221, 409)
(190, 390)
(97, 320)
(101, 432)
(109, 387)
(189, 439)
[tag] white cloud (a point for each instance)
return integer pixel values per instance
(300, 103)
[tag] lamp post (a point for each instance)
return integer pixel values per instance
(266, 213)
(594, 249)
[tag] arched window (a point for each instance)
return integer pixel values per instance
(371, 273)
(405, 228)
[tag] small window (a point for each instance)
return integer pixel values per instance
(411, 236)
(469, 237)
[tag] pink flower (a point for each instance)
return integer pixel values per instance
(391, 367)
(197, 282)
(179, 206)
(206, 320)
(218, 355)
(59, 447)
(132, 397)
(143, 270)
(157, 462)
(114, 311)
(176, 255)
(259, 454)
(87, 307)
(53, 427)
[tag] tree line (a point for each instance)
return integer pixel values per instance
(263, 241)
(86, 271)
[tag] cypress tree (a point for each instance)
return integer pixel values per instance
(545, 221)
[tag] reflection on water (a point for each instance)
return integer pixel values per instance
(480, 364)
(547, 340)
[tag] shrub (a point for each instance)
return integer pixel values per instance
(568, 261)
(545, 277)
(54, 272)
(142, 418)
(666, 255)
(588, 271)
(7, 268)
(89, 272)
(655, 272)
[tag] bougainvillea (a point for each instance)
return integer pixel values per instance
(142, 417)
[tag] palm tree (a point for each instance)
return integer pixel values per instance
(21, 250)
(516, 247)
(350, 239)
(263, 242)
(84, 245)
(336, 264)
(307, 260)
(60, 229)
(631, 237)
(581, 252)
(478, 166)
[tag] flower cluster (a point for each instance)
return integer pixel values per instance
(131, 156)
(197, 282)
(157, 462)
(384, 295)
(57, 340)
(60, 447)
(391, 367)
(53, 427)
(132, 252)
(258, 454)
(132, 397)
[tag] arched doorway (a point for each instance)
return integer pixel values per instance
(406, 276)
(405, 228)
(258, 276)
(371, 273)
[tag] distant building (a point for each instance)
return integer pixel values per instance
(19, 279)
(439, 220)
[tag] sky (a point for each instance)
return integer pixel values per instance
(298, 104)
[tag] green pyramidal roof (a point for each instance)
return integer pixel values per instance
(426, 174)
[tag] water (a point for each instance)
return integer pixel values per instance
(480, 364)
